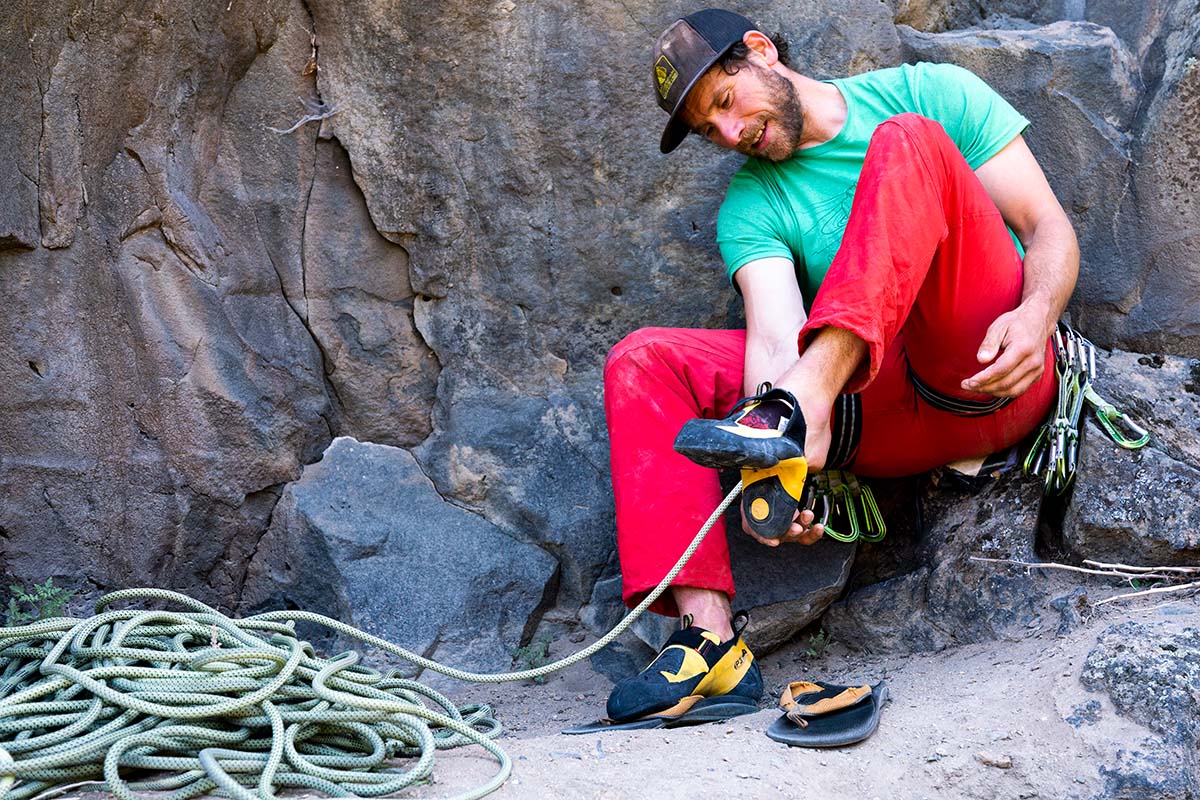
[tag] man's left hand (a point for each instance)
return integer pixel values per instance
(1015, 350)
(804, 529)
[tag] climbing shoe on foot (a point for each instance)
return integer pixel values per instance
(694, 679)
(764, 435)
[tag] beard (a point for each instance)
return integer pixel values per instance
(786, 119)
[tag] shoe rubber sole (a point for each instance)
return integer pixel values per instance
(723, 450)
(711, 709)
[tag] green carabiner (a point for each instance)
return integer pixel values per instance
(1109, 416)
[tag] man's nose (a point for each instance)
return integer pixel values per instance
(730, 129)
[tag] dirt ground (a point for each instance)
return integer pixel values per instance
(1004, 719)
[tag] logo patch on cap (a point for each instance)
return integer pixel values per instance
(665, 75)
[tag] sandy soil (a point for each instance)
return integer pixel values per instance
(952, 717)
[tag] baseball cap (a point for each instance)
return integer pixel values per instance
(683, 53)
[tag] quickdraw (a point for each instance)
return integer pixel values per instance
(1054, 454)
(841, 497)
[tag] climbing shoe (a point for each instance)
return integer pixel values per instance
(764, 435)
(761, 431)
(695, 678)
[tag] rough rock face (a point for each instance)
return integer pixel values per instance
(363, 537)
(941, 597)
(197, 304)
(1152, 674)
(1139, 507)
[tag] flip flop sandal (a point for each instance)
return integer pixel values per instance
(827, 715)
(693, 710)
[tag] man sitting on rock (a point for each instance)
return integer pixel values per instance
(903, 263)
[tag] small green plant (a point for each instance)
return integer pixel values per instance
(39, 601)
(817, 644)
(533, 655)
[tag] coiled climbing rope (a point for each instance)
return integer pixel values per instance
(189, 701)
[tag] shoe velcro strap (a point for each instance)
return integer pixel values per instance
(795, 694)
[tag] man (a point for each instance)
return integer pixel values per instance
(903, 263)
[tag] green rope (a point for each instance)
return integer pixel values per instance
(193, 702)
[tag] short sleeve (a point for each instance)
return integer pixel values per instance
(975, 116)
(748, 225)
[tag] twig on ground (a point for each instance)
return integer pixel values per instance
(1185, 570)
(1157, 590)
(1053, 565)
(1122, 571)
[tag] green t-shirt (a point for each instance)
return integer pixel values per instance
(798, 208)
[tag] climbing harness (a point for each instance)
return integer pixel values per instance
(1054, 454)
(200, 703)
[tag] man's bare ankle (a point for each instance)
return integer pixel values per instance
(709, 609)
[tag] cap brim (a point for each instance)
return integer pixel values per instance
(677, 130)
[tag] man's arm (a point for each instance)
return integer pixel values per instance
(774, 316)
(1014, 346)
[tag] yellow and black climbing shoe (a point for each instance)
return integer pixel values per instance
(764, 435)
(760, 432)
(694, 679)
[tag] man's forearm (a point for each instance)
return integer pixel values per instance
(1051, 269)
(768, 359)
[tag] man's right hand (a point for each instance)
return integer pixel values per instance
(802, 530)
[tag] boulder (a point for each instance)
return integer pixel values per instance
(159, 384)
(1140, 507)
(364, 537)
(947, 598)
(1151, 673)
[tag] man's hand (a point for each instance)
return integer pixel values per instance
(802, 530)
(1014, 349)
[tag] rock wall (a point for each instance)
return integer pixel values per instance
(200, 294)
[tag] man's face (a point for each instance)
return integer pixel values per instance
(755, 111)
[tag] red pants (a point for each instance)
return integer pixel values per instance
(926, 264)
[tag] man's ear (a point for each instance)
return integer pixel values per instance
(761, 44)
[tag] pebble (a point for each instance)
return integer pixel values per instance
(577, 637)
(997, 760)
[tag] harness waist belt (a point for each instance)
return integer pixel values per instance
(956, 405)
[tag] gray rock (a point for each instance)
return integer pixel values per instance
(1072, 608)
(359, 305)
(950, 599)
(364, 537)
(1157, 229)
(1152, 675)
(1150, 773)
(785, 588)
(1140, 507)
(157, 388)
(941, 15)
(1085, 714)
